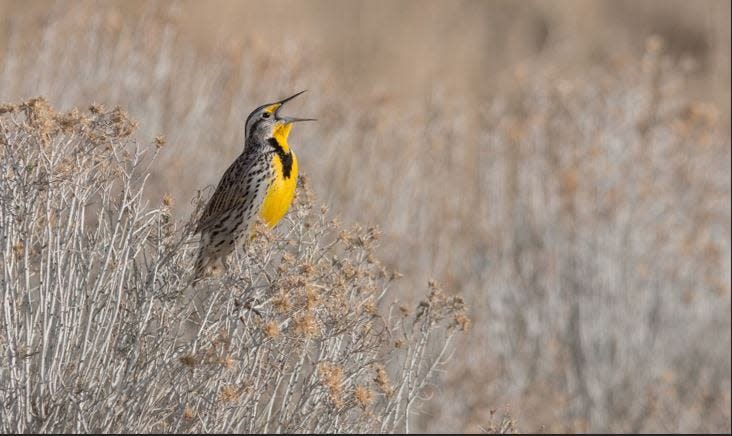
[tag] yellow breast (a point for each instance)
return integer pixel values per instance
(280, 193)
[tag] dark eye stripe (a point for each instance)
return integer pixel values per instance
(254, 113)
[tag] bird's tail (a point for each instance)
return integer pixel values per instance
(201, 269)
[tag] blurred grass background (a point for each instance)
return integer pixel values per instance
(564, 165)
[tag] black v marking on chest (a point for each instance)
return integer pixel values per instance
(285, 158)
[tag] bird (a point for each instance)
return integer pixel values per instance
(260, 183)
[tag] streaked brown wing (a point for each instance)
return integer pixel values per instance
(229, 193)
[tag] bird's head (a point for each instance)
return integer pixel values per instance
(265, 122)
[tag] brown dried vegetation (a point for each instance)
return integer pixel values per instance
(562, 168)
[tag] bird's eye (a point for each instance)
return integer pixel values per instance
(266, 115)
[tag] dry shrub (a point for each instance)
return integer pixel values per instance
(602, 261)
(102, 333)
(576, 191)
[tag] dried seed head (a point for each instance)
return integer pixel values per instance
(395, 275)
(369, 307)
(281, 303)
(168, 200)
(229, 394)
(331, 376)
(371, 258)
(306, 325)
(18, 248)
(69, 121)
(374, 233)
(382, 380)
(96, 108)
(363, 396)
(461, 321)
(271, 329)
(188, 413)
(40, 116)
(122, 124)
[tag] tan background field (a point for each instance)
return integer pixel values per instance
(564, 165)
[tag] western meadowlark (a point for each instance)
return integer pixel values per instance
(260, 183)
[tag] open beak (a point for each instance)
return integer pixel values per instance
(289, 120)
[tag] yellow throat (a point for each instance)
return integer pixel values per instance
(280, 194)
